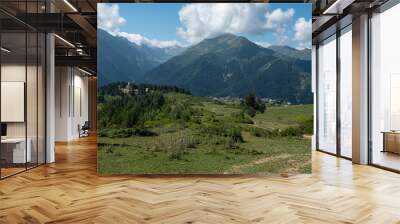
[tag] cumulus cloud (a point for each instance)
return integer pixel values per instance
(109, 20)
(141, 40)
(302, 33)
(199, 21)
(278, 18)
(108, 17)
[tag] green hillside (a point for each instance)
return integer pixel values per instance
(230, 65)
(160, 129)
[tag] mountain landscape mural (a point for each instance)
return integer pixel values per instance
(201, 93)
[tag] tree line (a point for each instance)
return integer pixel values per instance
(116, 88)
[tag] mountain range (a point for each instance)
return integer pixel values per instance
(226, 65)
(122, 60)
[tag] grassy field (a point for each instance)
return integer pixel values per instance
(282, 116)
(210, 137)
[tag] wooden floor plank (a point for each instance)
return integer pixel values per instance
(70, 191)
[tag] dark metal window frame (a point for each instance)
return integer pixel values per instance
(387, 5)
(339, 32)
(381, 9)
(44, 80)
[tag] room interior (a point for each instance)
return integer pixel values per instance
(22, 102)
(385, 89)
(336, 48)
(38, 72)
(25, 65)
(71, 103)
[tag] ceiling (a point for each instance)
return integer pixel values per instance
(330, 15)
(73, 21)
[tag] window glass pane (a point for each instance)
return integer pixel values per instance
(346, 93)
(31, 97)
(385, 89)
(23, 89)
(327, 96)
(13, 86)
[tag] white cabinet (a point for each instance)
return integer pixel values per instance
(19, 155)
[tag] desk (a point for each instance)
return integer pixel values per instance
(391, 141)
(13, 150)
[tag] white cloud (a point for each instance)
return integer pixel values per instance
(199, 21)
(109, 20)
(303, 33)
(108, 17)
(278, 18)
(141, 40)
(263, 44)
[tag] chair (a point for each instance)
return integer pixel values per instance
(84, 130)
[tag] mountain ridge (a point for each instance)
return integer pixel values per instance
(229, 65)
(225, 65)
(122, 60)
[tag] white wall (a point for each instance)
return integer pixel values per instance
(71, 87)
(62, 82)
(33, 126)
(13, 72)
(80, 110)
(17, 73)
(10, 73)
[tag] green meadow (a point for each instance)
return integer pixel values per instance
(169, 131)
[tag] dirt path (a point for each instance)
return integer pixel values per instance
(237, 168)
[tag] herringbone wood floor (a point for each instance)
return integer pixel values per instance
(70, 191)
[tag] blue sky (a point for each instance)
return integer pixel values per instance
(168, 24)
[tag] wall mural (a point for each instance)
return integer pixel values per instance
(215, 88)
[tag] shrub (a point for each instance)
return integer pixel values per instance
(287, 132)
(240, 117)
(250, 111)
(118, 154)
(127, 110)
(210, 117)
(306, 124)
(223, 130)
(126, 132)
(109, 149)
(215, 140)
(101, 133)
(187, 141)
(177, 146)
(292, 131)
(177, 151)
(258, 132)
(254, 103)
(234, 133)
(230, 143)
